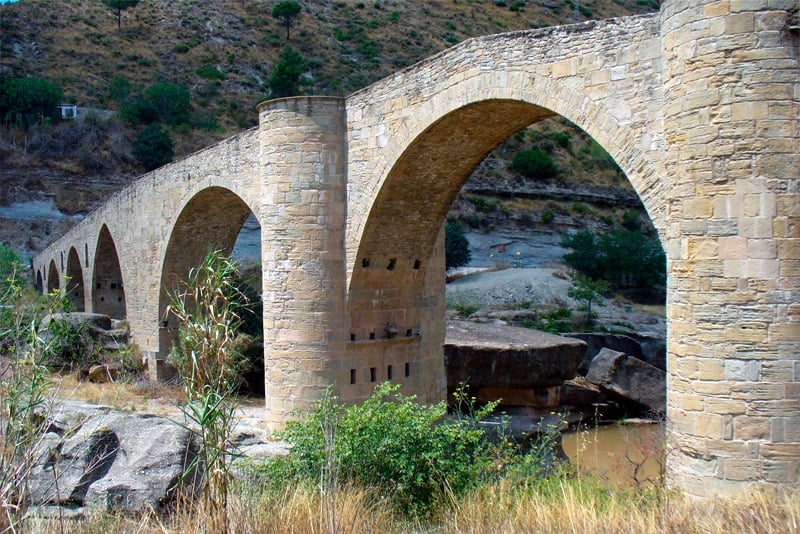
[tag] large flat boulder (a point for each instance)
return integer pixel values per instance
(497, 356)
(630, 378)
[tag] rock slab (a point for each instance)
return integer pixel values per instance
(629, 377)
(497, 356)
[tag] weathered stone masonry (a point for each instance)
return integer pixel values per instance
(697, 104)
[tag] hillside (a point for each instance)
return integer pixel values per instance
(223, 52)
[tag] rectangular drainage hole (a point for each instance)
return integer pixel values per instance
(352, 337)
(417, 265)
(389, 372)
(408, 369)
(372, 335)
(392, 264)
(352, 376)
(408, 332)
(373, 375)
(364, 262)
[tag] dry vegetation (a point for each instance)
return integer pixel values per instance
(553, 506)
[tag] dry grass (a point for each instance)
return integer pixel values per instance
(583, 507)
(556, 506)
(140, 396)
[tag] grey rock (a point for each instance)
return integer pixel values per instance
(112, 460)
(596, 341)
(629, 377)
(496, 356)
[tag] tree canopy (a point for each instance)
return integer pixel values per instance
(119, 6)
(456, 246)
(286, 12)
(287, 77)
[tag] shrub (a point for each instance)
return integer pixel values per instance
(171, 101)
(209, 72)
(548, 216)
(562, 139)
(456, 246)
(411, 453)
(534, 164)
(153, 147)
(27, 101)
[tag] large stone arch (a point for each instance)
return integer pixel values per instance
(211, 219)
(52, 277)
(108, 288)
(75, 286)
(520, 101)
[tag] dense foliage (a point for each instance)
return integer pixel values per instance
(153, 147)
(288, 78)
(413, 454)
(456, 246)
(534, 164)
(624, 258)
(27, 101)
(162, 102)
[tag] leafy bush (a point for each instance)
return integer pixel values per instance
(414, 455)
(210, 72)
(548, 216)
(153, 147)
(166, 102)
(481, 204)
(534, 164)
(456, 246)
(562, 139)
(26, 101)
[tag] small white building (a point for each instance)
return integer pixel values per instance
(68, 111)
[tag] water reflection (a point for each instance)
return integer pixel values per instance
(623, 454)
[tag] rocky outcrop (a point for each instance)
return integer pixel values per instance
(522, 366)
(629, 377)
(650, 348)
(98, 327)
(99, 458)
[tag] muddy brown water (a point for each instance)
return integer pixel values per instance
(622, 454)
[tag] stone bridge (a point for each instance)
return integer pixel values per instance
(698, 104)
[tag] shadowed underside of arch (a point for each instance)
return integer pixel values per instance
(108, 290)
(75, 289)
(211, 220)
(52, 277)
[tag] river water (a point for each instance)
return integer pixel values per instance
(622, 454)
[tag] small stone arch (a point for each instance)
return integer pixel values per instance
(52, 277)
(209, 220)
(74, 278)
(108, 289)
(39, 281)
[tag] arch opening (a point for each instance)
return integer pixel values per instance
(108, 289)
(52, 277)
(39, 281)
(408, 214)
(75, 287)
(215, 219)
